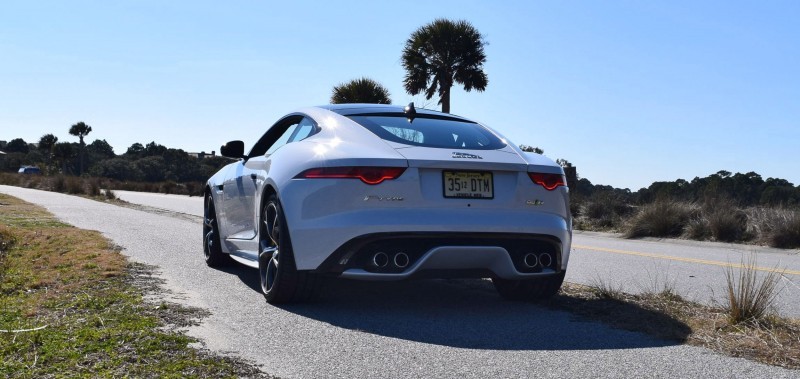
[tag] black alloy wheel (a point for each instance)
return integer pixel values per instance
(281, 282)
(211, 243)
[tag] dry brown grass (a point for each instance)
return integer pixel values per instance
(771, 340)
(663, 218)
(602, 211)
(750, 297)
(776, 227)
(62, 257)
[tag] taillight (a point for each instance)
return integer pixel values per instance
(548, 181)
(369, 175)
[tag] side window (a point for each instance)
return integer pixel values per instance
(276, 136)
(283, 139)
(290, 129)
(303, 130)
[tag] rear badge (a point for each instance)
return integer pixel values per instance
(382, 198)
(466, 156)
(535, 203)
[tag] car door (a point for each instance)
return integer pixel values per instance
(249, 176)
(238, 186)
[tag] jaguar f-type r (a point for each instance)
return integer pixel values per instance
(381, 192)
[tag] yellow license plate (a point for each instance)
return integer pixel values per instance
(468, 184)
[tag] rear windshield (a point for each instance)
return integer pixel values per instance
(430, 132)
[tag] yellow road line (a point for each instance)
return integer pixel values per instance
(682, 259)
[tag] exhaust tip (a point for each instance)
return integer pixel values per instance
(380, 259)
(546, 260)
(530, 260)
(401, 260)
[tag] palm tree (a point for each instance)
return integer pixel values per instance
(363, 90)
(442, 53)
(80, 130)
(46, 143)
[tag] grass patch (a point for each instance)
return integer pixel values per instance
(92, 186)
(776, 227)
(750, 297)
(602, 211)
(665, 314)
(663, 218)
(70, 305)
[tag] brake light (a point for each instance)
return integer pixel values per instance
(548, 181)
(369, 175)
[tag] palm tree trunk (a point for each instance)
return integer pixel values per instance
(446, 98)
(83, 152)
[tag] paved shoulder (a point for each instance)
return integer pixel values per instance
(190, 205)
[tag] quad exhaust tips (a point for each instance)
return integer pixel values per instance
(381, 260)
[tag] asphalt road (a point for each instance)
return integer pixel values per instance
(414, 329)
(696, 270)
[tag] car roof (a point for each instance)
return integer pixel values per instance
(353, 109)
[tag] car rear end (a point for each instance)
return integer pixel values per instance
(465, 203)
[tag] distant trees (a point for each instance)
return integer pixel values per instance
(563, 163)
(440, 54)
(116, 168)
(135, 150)
(745, 189)
(531, 149)
(17, 145)
(152, 162)
(362, 90)
(63, 152)
(100, 149)
(81, 130)
(46, 144)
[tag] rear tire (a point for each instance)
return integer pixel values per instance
(531, 289)
(211, 243)
(281, 282)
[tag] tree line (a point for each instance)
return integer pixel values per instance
(151, 162)
(744, 189)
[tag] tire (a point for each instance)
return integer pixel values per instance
(212, 248)
(531, 289)
(281, 282)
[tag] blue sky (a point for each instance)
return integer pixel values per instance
(630, 92)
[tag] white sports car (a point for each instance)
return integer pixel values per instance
(380, 192)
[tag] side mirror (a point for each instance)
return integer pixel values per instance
(232, 149)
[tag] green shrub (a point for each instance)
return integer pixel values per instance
(663, 218)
